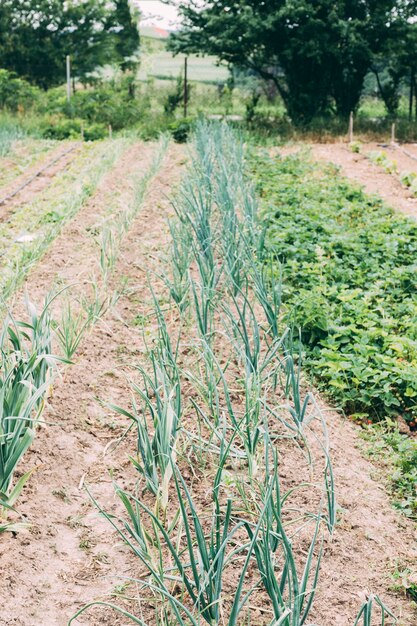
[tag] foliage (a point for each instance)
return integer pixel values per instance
(26, 365)
(407, 178)
(126, 34)
(107, 103)
(9, 133)
(15, 94)
(181, 129)
(92, 32)
(381, 158)
(316, 53)
(175, 97)
(244, 527)
(366, 613)
(55, 127)
(349, 276)
(395, 65)
(94, 109)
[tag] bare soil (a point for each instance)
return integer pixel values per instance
(373, 178)
(70, 556)
(25, 156)
(33, 181)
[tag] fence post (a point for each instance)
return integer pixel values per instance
(393, 133)
(351, 127)
(68, 78)
(185, 86)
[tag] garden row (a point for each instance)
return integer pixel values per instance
(349, 284)
(41, 217)
(28, 363)
(234, 501)
(223, 521)
(348, 264)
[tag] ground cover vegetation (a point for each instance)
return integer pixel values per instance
(21, 153)
(224, 418)
(349, 266)
(398, 453)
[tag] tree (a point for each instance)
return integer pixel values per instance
(397, 66)
(126, 35)
(36, 36)
(317, 52)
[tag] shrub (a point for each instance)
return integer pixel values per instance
(105, 104)
(64, 128)
(16, 94)
(180, 129)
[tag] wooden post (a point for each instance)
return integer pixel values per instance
(393, 133)
(110, 131)
(82, 131)
(351, 127)
(185, 86)
(410, 103)
(415, 94)
(68, 78)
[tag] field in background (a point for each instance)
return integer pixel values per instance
(157, 62)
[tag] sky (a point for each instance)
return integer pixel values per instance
(158, 13)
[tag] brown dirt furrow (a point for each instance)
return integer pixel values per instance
(373, 178)
(68, 555)
(74, 256)
(371, 541)
(26, 156)
(23, 188)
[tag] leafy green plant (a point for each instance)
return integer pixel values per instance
(156, 443)
(399, 452)
(181, 255)
(158, 419)
(291, 595)
(56, 127)
(407, 178)
(16, 94)
(355, 146)
(9, 133)
(381, 159)
(348, 269)
(181, 129)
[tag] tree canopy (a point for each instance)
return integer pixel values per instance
(36, 36)
(317, 52)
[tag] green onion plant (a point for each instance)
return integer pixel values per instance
(26, 374)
